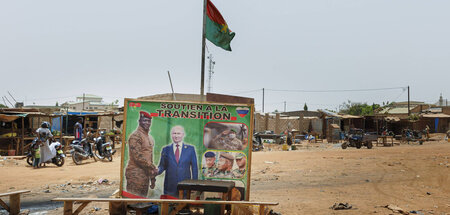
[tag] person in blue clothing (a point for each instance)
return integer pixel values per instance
(178, 160)
(78, 129)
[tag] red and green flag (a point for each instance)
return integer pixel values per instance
(217, 30)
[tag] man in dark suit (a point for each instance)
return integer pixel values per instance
(179, 160)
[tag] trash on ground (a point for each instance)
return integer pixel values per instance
(341, 206)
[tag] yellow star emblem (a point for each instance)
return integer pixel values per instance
(224, 28)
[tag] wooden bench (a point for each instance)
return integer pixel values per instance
(14, 201)
(118, 206)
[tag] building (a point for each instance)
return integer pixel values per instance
(89, 102)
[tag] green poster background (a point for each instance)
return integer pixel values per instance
(194, 134)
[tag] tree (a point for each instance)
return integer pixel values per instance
(3, 106)
(305, 107)
(358, 109)
(56, 104)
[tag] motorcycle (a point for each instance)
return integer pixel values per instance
(82, 150)
(103, 149)
(58, 159)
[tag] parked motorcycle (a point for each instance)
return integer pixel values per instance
(58, 159)
(82, 150)
(103, 149)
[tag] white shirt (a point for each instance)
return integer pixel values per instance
(180, 147)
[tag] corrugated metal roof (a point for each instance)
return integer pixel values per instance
(398, 110)
(437, 115)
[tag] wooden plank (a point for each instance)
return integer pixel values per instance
(4, 205)
(15, 192)
(14, 204)
(68, 205)
(187, 201)
(261, 209)
(178, 208)
(79, 209)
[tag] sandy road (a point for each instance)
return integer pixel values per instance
(305, 181)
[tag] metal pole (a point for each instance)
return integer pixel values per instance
(171, 86)
(83, 101)
(409, 111)
(263, 102)
(202, 82)
(285, 106)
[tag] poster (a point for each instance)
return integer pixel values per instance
(166, 142)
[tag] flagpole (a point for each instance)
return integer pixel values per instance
(202, 84)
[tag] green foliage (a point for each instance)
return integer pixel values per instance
(358, 109)
(3, 106)
(413, 117)
(305, 108)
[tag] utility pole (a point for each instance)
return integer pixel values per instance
(211, 71)
(83, 101)
(202, 81)
(285, 106)
(171, 86)
(409, 111)
(263, 102)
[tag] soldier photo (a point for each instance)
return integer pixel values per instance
(226, 161)
(227, 140)
(241, 163)
(209, 167)
(140, 170)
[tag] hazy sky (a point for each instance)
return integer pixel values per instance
(56, 50)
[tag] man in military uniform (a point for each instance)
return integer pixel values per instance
(226, 161)
(210, 167)
(140, 169)
(240, 161)
(227, 140)
(233, 140)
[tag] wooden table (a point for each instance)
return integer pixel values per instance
(14, 201)
(223, 187)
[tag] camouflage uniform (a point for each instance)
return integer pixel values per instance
(227, 143)
(140, 169)
(238, 173)
(208, 171)
(222, 174)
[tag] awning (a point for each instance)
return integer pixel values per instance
(10, 118)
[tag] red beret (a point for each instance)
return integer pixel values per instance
(144, 114)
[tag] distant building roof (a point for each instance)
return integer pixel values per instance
(394, 110)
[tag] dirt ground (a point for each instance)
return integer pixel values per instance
(308, 180)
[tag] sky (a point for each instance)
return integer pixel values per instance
(53, 51)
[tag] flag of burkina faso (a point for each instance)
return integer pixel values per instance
(217, 30)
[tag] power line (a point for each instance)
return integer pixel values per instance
(335, 90)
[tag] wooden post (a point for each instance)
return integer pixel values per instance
(14, 204)
(23, 134)
(119, 208)
(164, 208)
(68, 205)
(261, 209)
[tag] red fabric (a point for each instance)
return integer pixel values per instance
(177, 154)
(214, 14)
(132, 196)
